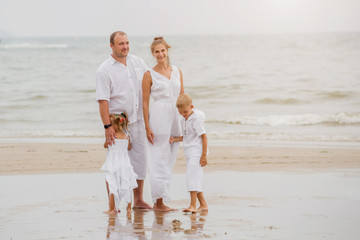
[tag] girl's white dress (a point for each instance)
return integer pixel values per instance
(119, 174)
(164, 121)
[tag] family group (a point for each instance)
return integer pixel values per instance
(143, 139)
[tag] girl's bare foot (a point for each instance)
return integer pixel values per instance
(128, 209)
(111, 212)
(190, 209)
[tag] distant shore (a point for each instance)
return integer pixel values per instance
(45, 158)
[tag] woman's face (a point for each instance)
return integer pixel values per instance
(160, 53)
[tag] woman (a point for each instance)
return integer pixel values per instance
(164, 83)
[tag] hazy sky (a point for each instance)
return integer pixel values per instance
(165, 17)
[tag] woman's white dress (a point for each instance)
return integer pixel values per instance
(119, 174)
(164, 122)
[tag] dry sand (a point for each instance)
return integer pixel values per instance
(31, 158)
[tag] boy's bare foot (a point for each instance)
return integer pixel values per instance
(111, 212)
(190, 209)
(141, 205)
(162, 208)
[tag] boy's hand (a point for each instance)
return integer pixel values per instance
(171, 140)
(203, 161)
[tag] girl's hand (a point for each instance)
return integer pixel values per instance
(203, 161)
(110, 135)
(171, 140)
(150, 136)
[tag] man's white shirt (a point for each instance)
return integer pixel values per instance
(120, 85)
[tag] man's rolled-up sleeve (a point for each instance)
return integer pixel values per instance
(103, 86)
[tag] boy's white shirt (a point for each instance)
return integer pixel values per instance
(192, 129)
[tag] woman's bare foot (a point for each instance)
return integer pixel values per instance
(141, 205)
(162, 208)
(190, 209)
(111, 212)
(203, 208)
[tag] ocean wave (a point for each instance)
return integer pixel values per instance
(285, 101)
(293, 120)
(50, 133)
(336, 94)
(32, 46)
(213, 135)
(282, 136)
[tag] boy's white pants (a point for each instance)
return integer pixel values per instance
(194, 174)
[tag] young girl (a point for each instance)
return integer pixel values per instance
(119, 174)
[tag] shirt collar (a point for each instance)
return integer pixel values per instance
(113, 60)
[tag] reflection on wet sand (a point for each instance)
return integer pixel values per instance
(197, 223)
(138, 225)
(117, 231)
(165, 225)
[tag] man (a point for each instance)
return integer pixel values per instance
(118, 89)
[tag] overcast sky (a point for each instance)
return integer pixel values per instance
(175, 17)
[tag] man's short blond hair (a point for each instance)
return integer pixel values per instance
(183, 100)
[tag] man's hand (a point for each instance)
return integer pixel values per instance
(110, 135)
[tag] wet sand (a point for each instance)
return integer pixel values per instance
(243, 205)
(56, 191)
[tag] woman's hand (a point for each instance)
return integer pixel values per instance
(203, 161)
(150, 136)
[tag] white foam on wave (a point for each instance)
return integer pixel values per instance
(32, 46)
(50, 133)
(213, 135)
(282, 136)
(292, 120)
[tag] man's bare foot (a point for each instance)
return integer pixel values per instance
(190, 209)
(162, 208)
(111, 212)
(141, 205)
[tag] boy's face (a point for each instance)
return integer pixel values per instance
(186, 111)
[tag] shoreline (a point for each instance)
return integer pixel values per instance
(52, 157)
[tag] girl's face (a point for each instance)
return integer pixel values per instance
(160, 53)
(186, 111)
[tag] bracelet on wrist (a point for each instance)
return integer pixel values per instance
(107, 126)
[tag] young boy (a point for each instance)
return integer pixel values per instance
(195, 148)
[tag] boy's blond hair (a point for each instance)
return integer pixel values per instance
(183, 100)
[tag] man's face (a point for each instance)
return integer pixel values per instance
(120, 47)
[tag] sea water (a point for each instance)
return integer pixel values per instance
(279, 87)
